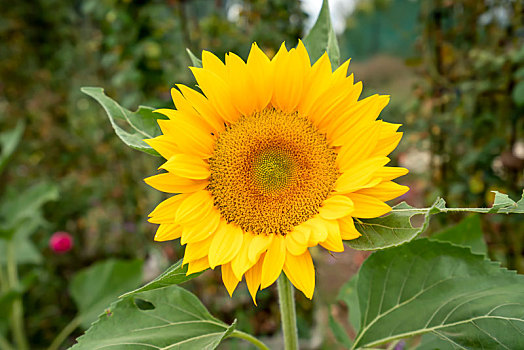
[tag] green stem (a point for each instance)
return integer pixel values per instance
(287, 313)
(249, 338)
(66, 331)
(17, 315)
(4, 344)
(3, 281)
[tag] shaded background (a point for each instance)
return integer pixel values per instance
(455, 70)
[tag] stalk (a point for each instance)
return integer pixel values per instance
(286, 298)
(17, 313)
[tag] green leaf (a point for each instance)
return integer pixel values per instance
(518, 94)
(141, 124)
(321, 38)
(348, 294)
(175, 274)
(169, 318)
(194, 60)
(435, 287)
(466, 233)
(505, 205)
(339, 332)
(8, 142)
(95, 287)
(17, 209)
(393, 229)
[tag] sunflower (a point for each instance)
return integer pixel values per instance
(272, 158)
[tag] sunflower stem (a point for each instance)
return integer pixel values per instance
(249, 338)
(17, 312)
(286, 298)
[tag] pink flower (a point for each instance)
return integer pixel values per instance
(61, 242)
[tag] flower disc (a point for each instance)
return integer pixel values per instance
(271, 171)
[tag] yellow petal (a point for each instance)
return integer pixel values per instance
(196, 250)
(165, 211)
(367, 207)
(164, 145)
(217, 92)
(358, 145)
(188, 135)
(193, 206)
(226, 244)
(342, 71)
(290, 69)
(359, 175)
(293, 246)
(201, 228)
(385, 191)
(347, 228)
(229, 279)
(301, 272)
(361, 113)
(241, 84)
(273, 261)
(333, 241)
(387, 145)
(390, 173)
(167, 232)
(187, 166)
(318, 231)
(259, 245)
(319, 80)
(203, 107)
(171, 183)
(253, 276)
(197, 266)
(241, 263)
(261, 71)
(336, 207)
(214, 64)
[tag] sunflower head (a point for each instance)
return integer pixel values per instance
(271, 158)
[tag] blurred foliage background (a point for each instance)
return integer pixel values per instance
(454, 68)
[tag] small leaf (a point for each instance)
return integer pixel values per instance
(348, 294)
(434, 287)
(8, 142)
(322, 38)
(174, 319)
(194, 60)
(175, 274)
(94, 288)
(18, 207)
(467, 233)
(505, 205)
(393, 229)
(141, 124)
(339, 332)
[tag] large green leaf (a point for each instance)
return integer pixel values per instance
(434, 287)
(167, 318)
(321, 38)
(395, 228)
(467, 233)
(8, 142)
(95, 287)
(175, 274)
(141, 124)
